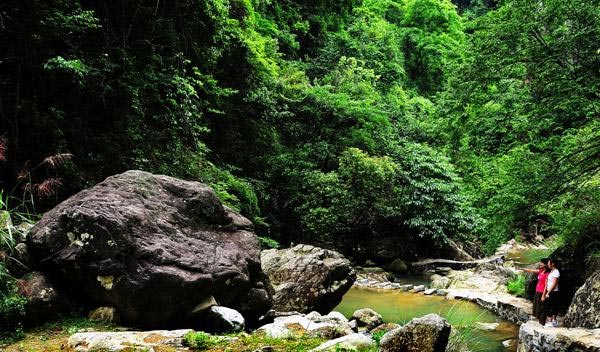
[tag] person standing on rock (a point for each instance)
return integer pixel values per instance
(550, 295)
(542, 275)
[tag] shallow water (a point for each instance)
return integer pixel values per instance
(400, 307)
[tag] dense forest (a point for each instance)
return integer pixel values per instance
(328, 122)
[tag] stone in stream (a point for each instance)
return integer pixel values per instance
(418, 288)
(398, 266)
(486, 326)
(441, 292)
(430, 291)
(307, 278)
(367, 317)
(406, 287)
(158, 249)
(426, 334)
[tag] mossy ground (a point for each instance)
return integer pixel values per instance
(49, 337)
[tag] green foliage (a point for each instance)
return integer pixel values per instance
(12, 303)
(378, 335)
(516, 286)
(321, 120)
(418, 191)
(268, 243)
(199, 340)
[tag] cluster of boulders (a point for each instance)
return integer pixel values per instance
(152, 251)
(365, 330)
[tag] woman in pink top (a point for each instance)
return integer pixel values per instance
(542, 275)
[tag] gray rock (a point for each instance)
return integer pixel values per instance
(441, 292)
(352, 342)
(385, 327)
(276, 331)
(486, 326)
(136, 234)
(430, 291)
(584, 310)
(45, 301)
(107, 315)
(398, 266)
(307, 278)
(337, 316)
(426, 334)
(367, 317)
(224, 320)
(123, 341)
(533, 337)
(418, 288)
(407, 287)
(438, 281)
(19, 263)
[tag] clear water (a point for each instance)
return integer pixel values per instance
(400, 307)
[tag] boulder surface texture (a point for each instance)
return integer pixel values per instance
(307, 278)
(156, 248)
(584, 310)
(429, 333)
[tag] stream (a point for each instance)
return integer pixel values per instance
(400, 307)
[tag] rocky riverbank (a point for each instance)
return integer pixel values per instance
(332, 332)
(480, 281)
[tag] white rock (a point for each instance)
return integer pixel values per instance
(486, 326)
(352, 342)
(418, 288)
(276, 331)
(430, 291)
(337, 316)
(313, 315)
(122, 341)
(226, 319)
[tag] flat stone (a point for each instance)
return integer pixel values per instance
(351, 342)
(430, 291)
(406, 287)
(123, 341)
(486, 326)
(419, 288)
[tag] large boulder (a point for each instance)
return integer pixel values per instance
(307, 278)
(584, 310)
(426, 334)
(158, 249)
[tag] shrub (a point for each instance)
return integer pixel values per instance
(268, 243)
(516, 285)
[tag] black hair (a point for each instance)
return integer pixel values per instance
(555, 262)
(545, 261)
